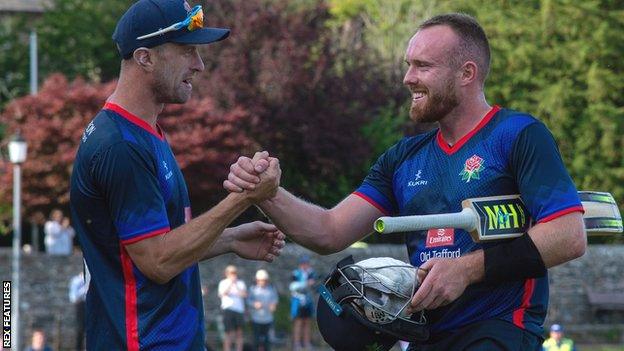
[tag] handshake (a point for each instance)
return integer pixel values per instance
(258, 178)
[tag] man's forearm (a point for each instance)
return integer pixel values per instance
(305, 223)
(193, 241)
(560, 240)
(222, 245)
(529, 256)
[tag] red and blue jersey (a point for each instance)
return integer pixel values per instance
(126, 186)
(508, 152)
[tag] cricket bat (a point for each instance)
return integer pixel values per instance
(502, 217)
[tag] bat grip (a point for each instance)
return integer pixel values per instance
(466, 219)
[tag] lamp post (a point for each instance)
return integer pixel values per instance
(17, 155)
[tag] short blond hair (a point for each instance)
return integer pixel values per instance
(231, 269)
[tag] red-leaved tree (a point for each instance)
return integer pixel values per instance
(311, 98)
(206, 141)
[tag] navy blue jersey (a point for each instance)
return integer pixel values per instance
(126, 186)
(507, 153)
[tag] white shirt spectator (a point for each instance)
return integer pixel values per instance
(58, 237)
(232, 295)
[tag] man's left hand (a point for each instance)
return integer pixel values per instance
(443, 280)
(257, 241)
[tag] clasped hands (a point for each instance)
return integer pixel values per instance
(258, 177)
(256, 240)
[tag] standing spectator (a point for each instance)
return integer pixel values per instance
(52, 230)
(262, 301)
(59, 234)
(232, 292)
(302, 303)
(38, 341)
(68, 233)
(77, 295)
(557, 342)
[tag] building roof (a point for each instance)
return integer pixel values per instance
(36, 6)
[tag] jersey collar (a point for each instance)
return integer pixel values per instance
(135, 120)
(449, 150)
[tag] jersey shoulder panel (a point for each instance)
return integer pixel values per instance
(377, 188)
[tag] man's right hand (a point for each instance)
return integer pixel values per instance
(259, 177)
(245, 173)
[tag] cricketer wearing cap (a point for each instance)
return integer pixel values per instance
(130, 202)
(484, 296)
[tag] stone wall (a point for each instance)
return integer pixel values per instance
(45, 280)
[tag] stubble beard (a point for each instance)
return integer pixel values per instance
(165, 92)
(438, 105)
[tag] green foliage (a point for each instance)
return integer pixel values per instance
(74, 38)
(281, 317)
(310, 97)
(385, 129)
(14, 58)
(383, 27)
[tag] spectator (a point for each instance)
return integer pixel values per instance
(68, 236)
(557, 342)
(58, 238)
(77, 295)
(232, 292)
(302, 303)
(262, 302)
(38, 342)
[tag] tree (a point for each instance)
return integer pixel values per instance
(311, 98)
(206, 141)
(52, 122)
(74, 38)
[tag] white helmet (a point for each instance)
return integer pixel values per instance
(375, 293)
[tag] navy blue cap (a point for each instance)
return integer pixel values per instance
(304, 259)
(345, 333)
(556, 328)
(149, 16)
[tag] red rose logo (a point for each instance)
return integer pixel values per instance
(472, 167)
(473, 163)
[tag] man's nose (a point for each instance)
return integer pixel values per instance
(198, 63)
(411, 77)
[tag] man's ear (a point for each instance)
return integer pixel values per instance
(468, 72)
(144, 58)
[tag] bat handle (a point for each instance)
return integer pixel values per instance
(466, 219)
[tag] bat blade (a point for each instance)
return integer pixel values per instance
(502, 217)
(602, 215)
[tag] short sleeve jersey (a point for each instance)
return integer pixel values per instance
(508, 152)
(126, 186)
